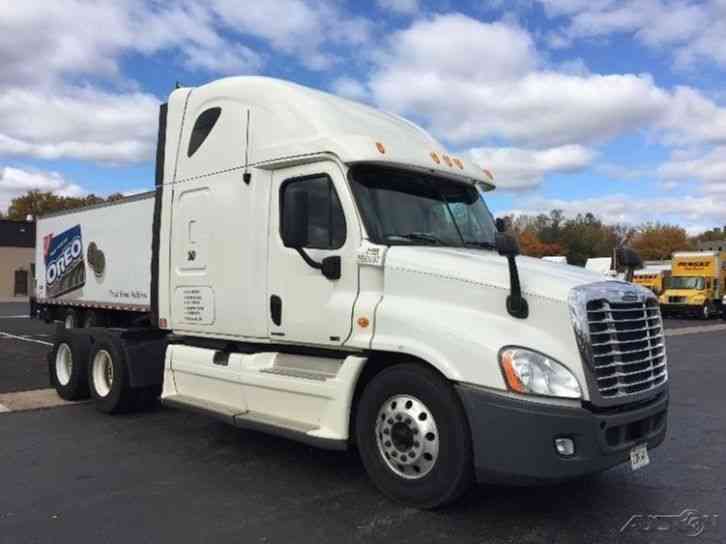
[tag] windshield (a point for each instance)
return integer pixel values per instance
(685, 282)
(401, 207)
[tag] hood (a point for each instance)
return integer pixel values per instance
(537, 277)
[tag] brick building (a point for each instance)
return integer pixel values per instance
(17, 258)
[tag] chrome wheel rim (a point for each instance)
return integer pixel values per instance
(102, 373)
(69, 322)
(407, 437)
(63, 364)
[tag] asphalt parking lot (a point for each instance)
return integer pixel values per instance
(71, 474)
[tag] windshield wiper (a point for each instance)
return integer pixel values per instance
(485, 245)
(417, 237)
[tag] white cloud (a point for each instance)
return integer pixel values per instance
(695, 213)
(349, 88)
(516, 97)
(694, 30)
(400, 6)
(516, 168)
(16, 181)
(297, 27)
(81, 123)
(509, 94)
(709, 168)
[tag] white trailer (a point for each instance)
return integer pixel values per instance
(331, 273)
(94, 264)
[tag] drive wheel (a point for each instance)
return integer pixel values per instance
(413, 437)
(92, 319)
(67, 366)
(108, 378)
(70, 319)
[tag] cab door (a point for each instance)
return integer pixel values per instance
(307, 307)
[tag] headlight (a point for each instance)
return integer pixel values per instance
(530, 372)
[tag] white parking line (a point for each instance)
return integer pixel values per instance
(14, 317)
(24, 338)
(694, 330)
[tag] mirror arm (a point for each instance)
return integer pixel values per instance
(516, 304)
(308, 260)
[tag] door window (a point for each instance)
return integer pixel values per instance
(326, 222)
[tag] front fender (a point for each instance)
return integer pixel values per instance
(459, 328)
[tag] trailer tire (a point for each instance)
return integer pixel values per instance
(67, 365)
(429, 433)
(108, 378)
(70, 319)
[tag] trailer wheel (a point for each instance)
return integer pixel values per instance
(67, 364)
(413, 437)
(70, 319)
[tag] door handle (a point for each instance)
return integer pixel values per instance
(276, 310)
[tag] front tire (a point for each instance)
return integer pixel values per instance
(413, 437)
(706, 311)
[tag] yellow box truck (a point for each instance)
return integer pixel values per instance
(696, 285)
(653, 278)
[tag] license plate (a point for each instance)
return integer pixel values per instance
(639, 457)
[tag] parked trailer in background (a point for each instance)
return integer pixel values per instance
(316, 268)
(93, 265)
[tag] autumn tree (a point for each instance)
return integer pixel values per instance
(658, 241)
(37, 203)
(531, 245)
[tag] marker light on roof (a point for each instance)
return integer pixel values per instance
(435, 158)
(447, 160)
(458, 163)
(380, 147)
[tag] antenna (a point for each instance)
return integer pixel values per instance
(247, 177)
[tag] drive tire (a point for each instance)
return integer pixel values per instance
(93, 318)
(109, 387)
(70, 319)
(68, 363)
(452, 471)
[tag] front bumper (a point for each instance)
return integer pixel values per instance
(513, 439)
(683, 308)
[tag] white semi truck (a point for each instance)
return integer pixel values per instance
(313, 267)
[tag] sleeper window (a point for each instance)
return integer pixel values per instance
(202, 127)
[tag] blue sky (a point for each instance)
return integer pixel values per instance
(611, 106)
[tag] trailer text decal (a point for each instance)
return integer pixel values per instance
(64, 268)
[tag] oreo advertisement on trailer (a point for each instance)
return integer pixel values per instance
(64, 266)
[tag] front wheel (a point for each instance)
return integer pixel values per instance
(707, 311)
(413, 437)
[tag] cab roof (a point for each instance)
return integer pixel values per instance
(290, 120)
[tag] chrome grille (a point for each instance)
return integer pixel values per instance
(627, 346)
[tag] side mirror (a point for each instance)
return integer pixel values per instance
(500, 224)
(628, 258)
(295, 220)
(506, 244)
